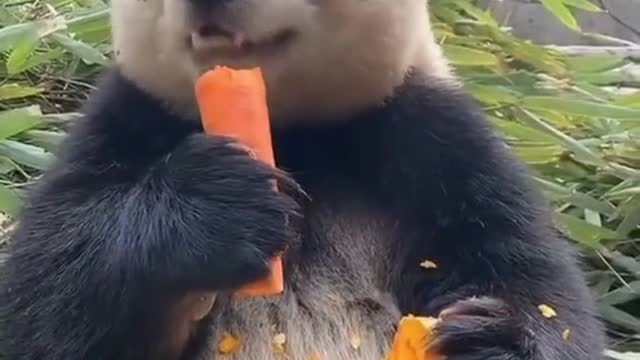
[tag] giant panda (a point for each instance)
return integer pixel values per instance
(132, 244)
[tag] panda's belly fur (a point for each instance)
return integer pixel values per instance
(335, 306)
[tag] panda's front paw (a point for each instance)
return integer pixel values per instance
(481, 329)
(230, 216)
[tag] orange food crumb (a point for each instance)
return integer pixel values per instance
(279, 342)
(547, 311)
(428, 264)
(355, 341)
(229, 344)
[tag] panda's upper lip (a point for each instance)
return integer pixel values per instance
(215, 37)
(213, 29)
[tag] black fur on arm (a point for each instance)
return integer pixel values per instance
(463, 202)
(139, 211)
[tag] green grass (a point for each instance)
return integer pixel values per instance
(572, 119)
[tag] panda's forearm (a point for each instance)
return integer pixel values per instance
(496, 251)
(527, 270)
(93, 266)
(471, 211)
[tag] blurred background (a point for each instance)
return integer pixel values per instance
(559, 78)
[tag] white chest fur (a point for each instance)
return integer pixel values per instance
(317, 320)
(334, 306)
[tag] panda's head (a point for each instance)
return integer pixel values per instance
(320, 57)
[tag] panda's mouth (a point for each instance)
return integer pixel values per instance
(212, 38)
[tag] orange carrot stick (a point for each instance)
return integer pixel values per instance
(233, 103)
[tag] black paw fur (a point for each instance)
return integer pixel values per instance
(244, 218)
(481, 329)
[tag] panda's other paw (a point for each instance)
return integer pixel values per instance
(481, 329)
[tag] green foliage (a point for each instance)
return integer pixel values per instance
(567, 117)
(580, 139)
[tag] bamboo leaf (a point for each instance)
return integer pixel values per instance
(538, 154)
(40, 58)
(583, 5)
(25, 154)
(514, 129)
(619, 317)
(15, 121)
(82, 50)
(48, 140)
(15, 91)
(586, 234)
(22, 52)
(594, 63)
(622, 294)
(93, 27)
(493, 94)
(12, 35)
(580, 107)
(561, 12)
(629, 100)
(631, 221)
(10, 203)
(6, 165)
(460, 55)
(627, 355)
(572, 144)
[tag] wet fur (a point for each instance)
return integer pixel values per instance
(141, 209)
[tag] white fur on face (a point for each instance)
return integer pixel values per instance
(346, 55)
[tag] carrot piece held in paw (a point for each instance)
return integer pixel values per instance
(233, 103)
(411, 338)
